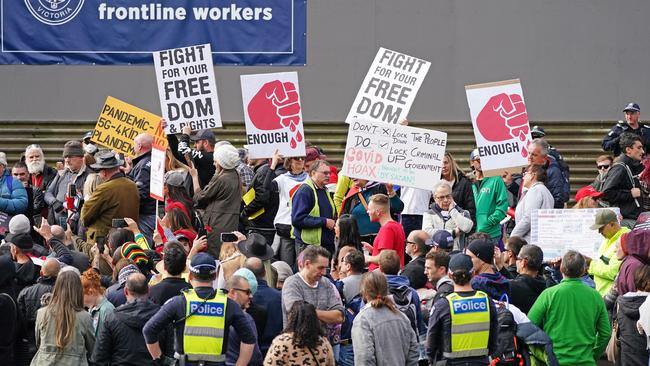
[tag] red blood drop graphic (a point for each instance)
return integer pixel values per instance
(299, 136)
(293, 143)
(292, 127)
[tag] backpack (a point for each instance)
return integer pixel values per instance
(509, 349)
(352, 308)
(402, 297)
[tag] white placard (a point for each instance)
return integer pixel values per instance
(157, 175)
(397, 154)
(273, 115)
(500, 125)
(390, 86)
(558, 230)
(187, 88)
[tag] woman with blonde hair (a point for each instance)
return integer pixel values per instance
(64, 330)
(381, 334)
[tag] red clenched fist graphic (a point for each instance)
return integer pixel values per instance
(504, 117)
(275, 106)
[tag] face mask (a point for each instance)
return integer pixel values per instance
(90, 149)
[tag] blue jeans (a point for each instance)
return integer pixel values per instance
(346, 355)
(147, 225)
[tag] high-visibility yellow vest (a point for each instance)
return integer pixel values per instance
(205, 324)
(470, 325)
(248, 198)
(313, 235)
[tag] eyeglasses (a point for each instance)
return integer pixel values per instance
(325, 173)
(406, 242)
(447, 197)
(247, 291)
(601, 167)
(298, 158)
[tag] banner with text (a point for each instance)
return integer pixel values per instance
(558, 230)
(187, 89)
(500, 125)
(397, 154)
(390, 86)
(119, 123)
(157, 176)
(88, 32)
(273, 114)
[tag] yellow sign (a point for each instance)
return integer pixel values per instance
(119, 124)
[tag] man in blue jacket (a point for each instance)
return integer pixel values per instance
(270, 299)
(13, 197)
(557, 181)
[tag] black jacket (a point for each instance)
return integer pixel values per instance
(203, 161)
(414, 271)
(633, 345)
(618, 184)
(140, 174)
(443, 290)
(525, 290)
(29, 301)
(167, 288)
(464, 196)
(263, 198)
(611, 141)
(120, 340)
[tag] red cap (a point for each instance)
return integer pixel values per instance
(587, 191)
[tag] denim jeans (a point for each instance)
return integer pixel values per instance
(346, 355)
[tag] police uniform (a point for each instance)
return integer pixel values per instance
(610, 142)
(201, 319)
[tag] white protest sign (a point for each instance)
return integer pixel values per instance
(157, 175)
(389, 88)
(273, 115)
(397, 154)
(500, 125)
(187, 88)
(559, 230)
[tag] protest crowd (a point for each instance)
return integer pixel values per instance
(287, 261)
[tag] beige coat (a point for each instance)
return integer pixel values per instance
(78, 350)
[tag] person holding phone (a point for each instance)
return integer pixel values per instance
(61, 194)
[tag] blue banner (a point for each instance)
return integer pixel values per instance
(113, 32)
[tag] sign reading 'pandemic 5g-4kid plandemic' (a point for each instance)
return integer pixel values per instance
(407, 156)
(250, 32)
(120, 123)
(389, 88)
(500, 124)
(187, 89)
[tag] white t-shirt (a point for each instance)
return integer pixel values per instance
(288, 184)
(416, 200)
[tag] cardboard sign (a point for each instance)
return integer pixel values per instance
(389, 88)
(157, 174)
(119, 123)
(500, 124)
(397, 154)
(273, 114)
(187, 88)
(558, 230)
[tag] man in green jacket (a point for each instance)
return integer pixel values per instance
(606, 266)
(491, 197)
(573, 315)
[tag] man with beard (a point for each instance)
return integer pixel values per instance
(41, 176)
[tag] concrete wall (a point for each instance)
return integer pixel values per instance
(578, 60)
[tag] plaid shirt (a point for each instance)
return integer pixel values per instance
(245, 174)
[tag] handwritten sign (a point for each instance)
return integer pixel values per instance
(157, 175)
(390, 86)
(187, 88)
(558, 230)
(397, 154)
(273, 114)
(119, 123)
(500, 124)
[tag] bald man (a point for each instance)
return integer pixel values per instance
(416, 248)
(139, 173)
(29, 300)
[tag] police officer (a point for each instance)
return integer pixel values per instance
(537, 132)
(631, 124)
(201, 317)
(463, 326)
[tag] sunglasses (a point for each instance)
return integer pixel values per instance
(246, 291)
(601, 167)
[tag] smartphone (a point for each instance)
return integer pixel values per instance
(72, 190)
(118, 223)
(63, 222)
(228, 237)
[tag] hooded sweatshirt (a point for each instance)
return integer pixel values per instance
(635, 245)
(525, 290)
(120, 340)
(633, 345)
(493, 284)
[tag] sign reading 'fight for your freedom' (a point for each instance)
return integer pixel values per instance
(397, 154)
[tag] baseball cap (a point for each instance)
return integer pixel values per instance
(442, 239)
(603, 217)
(537, 132)
(483, 249)
(632, 107)
(312, 153)
(587, 191)
(23, 241)
(203, 264)
(205, 134)
(175, 178)
(460, 261)
(88, 135)
(474, 155)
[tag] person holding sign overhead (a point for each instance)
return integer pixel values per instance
(202, 154)
(491, 201)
